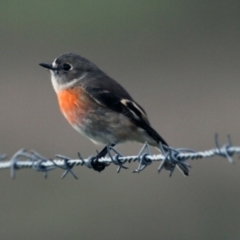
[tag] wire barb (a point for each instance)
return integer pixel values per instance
(143, 158)
(38, 163)
(224, 151)
(170, 158)
(67, 166)
(115, 159)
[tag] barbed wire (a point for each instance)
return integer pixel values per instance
(169, 159)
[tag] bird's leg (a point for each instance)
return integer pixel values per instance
(104, 151)
(100, 166)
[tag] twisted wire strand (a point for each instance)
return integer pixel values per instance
(168, 160)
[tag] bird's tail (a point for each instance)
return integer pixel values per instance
(152, 133)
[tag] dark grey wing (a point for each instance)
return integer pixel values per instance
(110, 94)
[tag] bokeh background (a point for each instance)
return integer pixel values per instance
(179, 60)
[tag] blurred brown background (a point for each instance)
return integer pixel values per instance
(179, 60)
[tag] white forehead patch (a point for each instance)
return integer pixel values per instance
(54, 63)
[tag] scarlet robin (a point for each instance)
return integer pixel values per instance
(97, 106)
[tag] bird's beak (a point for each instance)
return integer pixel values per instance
(47, 65)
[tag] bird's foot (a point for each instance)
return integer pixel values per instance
(100, 166)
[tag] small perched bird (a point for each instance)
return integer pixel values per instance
(96, 105)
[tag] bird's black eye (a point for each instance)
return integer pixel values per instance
(66, 67)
